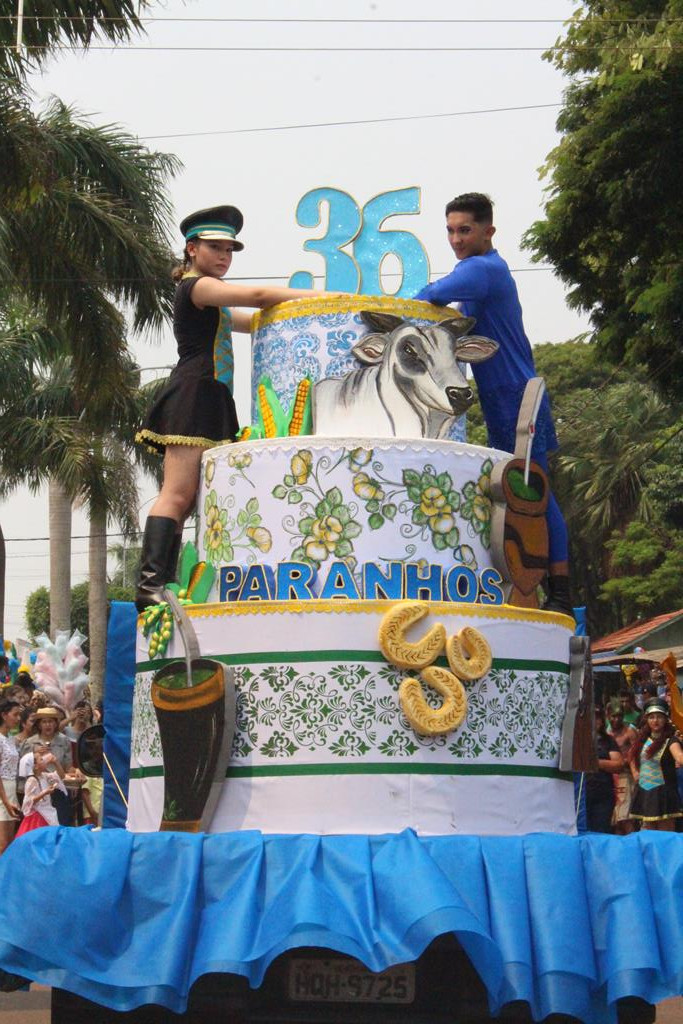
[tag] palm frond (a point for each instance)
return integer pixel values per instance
(75, 21)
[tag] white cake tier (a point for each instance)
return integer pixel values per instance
(314, 337)
(321, 501)
(322, 745)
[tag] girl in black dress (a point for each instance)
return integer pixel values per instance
(655, 756)
(196, 410)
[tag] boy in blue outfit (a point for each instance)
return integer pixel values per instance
(483, 285)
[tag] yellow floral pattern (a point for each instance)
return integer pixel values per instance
(225, 533)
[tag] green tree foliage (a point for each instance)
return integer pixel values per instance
(618, 475)
(665, 488)
(572, 372)
(646, 571)
(50, 431)
(613, 226)
(93, 202)
(38, 607)
(127, 562)
(84, 215)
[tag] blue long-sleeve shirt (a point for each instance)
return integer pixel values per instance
(486, 290)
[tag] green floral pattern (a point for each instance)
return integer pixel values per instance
(145, 740)
(476, 505)
(327, 502)
(329, 525)
(349, 711)
(225, 531)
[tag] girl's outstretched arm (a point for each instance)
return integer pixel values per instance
(208, 291)
(241, 321)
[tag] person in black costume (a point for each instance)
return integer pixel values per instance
(656, 754)
(196, 409)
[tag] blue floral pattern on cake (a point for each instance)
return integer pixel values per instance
(317, 345)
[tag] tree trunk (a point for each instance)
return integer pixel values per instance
(97, 601)
(60, 558)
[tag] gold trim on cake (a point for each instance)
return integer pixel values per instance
(374, 608)
(410, 308)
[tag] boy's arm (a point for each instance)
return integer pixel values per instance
(468, 281)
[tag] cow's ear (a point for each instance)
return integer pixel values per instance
(475, 349)
(382, 322)
(370, 349)
(457, 326)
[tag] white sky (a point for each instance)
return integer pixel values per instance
(164, 92)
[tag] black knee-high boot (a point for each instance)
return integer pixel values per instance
(559, 598)
(173, 558)
(157, 544)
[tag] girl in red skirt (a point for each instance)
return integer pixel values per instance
(37, 807)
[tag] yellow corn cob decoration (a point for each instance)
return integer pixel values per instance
(195, 576)
(267, 417)
(296, 422)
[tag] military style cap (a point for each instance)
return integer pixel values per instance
(215, 224)
(657, 706)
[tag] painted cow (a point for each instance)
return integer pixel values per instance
(410, 383)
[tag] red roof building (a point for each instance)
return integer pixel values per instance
(659, 632)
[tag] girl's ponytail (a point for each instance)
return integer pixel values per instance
(182, 268)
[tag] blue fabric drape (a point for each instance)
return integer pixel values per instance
(119, 674)
(569, 924)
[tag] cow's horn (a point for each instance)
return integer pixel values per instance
(382, 322)
(457, 326)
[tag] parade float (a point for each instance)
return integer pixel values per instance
(348, 736)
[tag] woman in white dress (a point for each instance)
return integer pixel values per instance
(9, 758)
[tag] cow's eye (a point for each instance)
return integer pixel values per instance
(411, 357)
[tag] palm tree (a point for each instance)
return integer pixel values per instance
(48, 432)
(93, 203)
(611, 446)
(110, 492)
(22, 342)
(59, 531)
(48, 22)
(608, 454)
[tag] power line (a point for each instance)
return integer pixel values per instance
(338, 124)
(272, 277)
(578, 48)
(74, 536)
(150, 19)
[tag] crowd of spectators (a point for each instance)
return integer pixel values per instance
(40, 778)
(639, 782)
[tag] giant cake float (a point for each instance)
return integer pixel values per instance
(356, 597)
(365, 659)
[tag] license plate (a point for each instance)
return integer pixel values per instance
(347, 981)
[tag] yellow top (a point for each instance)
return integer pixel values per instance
(351, 304)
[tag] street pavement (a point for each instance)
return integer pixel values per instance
(33, 1007)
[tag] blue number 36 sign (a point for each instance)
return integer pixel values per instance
(359, 272)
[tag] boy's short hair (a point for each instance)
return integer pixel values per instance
(476, 203)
